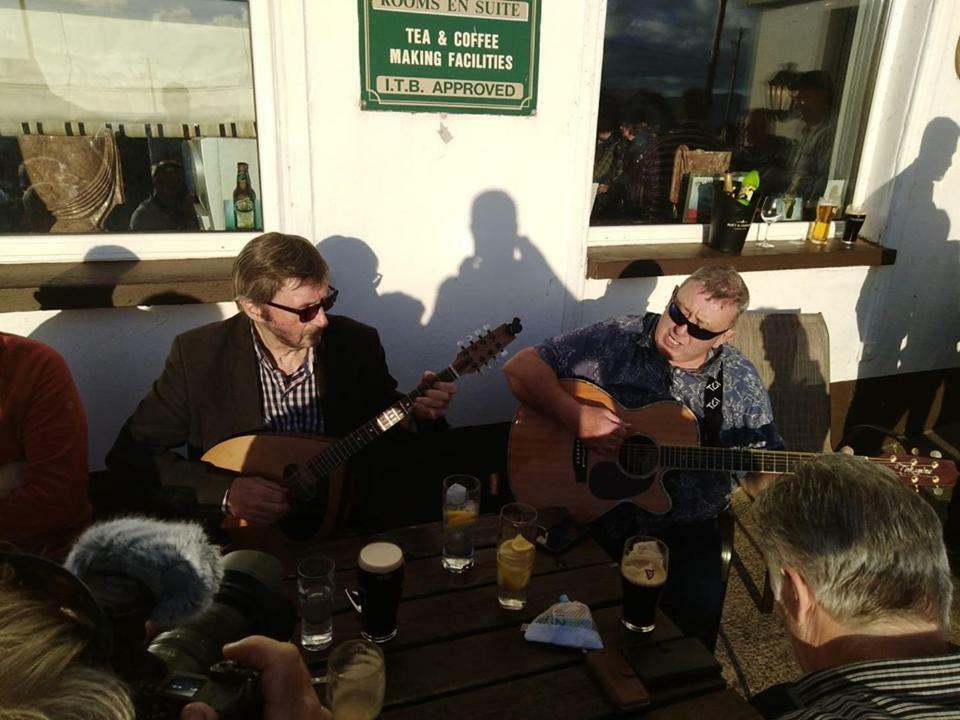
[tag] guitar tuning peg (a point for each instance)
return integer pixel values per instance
(936, 454)
(503, 353)
(470, 338)
(460, 344)
(914, 451)
(486, 328)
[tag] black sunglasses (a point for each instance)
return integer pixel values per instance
(676, 314)
(308, 313)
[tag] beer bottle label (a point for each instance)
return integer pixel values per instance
(244, 210)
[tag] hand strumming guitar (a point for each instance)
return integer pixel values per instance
(257, 499)
(600, 429)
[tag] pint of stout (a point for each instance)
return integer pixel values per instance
(643, 572)
(380, 580)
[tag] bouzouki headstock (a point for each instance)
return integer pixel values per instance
(477, 352)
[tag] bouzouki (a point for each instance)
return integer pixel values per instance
(547, 465)
(311, 468)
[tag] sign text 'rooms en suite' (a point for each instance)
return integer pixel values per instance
(469, 56)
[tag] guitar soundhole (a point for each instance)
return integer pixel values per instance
(638, 456)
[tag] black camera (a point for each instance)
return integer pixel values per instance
(186, 664)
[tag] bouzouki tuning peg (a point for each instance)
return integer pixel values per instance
(936, 454)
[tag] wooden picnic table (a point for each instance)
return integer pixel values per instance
(458, 654)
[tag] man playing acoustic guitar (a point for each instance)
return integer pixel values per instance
(281, 364)
(682, 356)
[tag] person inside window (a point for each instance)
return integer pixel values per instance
(170, 206)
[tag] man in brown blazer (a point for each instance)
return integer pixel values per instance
(281, 364)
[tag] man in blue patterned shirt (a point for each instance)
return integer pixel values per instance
(648, 358)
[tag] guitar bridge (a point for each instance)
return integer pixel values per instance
(579, 461)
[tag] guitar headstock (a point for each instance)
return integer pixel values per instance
(921, 471)
(481, 348)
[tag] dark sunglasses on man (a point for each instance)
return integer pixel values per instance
(676, 314)
(308, 313)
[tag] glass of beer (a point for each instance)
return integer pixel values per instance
(643, 572)
(380, 587)
(460, 504)
(356, 680)
(853, 222)
(820, 228)
(515, 554)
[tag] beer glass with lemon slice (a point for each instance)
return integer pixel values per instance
(461, 502)
(515, 554)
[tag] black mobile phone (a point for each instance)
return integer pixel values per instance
(559, 538)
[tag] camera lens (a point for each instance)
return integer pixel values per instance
(250, 601)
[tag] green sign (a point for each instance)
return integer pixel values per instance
(468, 56)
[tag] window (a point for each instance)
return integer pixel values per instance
(127, 115)
(693, 89)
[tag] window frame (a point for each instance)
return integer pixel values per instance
(280, 100)
(896, 63)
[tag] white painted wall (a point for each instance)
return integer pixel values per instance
(474, 219)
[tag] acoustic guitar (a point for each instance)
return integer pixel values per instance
(549, 466)
(311, 468)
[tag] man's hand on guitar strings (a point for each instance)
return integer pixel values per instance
(433, 403)
(601, 429)
(258, 500)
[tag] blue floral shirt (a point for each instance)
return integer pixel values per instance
(620, 356)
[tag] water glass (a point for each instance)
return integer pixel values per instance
(356, 680)
(316, 584)
(516, 551)
(460, 505)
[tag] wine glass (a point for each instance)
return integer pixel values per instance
(770, 212)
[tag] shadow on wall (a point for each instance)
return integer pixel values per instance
(354, 271)
(908, 314)
(799, 389)
(115, 353)
(505, 277)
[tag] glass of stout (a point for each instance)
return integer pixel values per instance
(643, 572)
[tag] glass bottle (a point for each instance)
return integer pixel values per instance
(244, 200)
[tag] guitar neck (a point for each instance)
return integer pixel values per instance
(341, 451)
(730, 460)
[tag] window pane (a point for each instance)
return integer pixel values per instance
(127, 115)
(692, 89)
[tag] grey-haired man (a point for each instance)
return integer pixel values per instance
(859, 567)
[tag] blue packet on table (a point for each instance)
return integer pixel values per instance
(567, 623)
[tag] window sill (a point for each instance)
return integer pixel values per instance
(606, 262)
(55, 286)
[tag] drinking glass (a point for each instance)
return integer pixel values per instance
(515, 554)
(819, 233)
(356, 680)
(771, 211)
(460, 504)
(853, 221)
(316, 583)
(643, 572)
